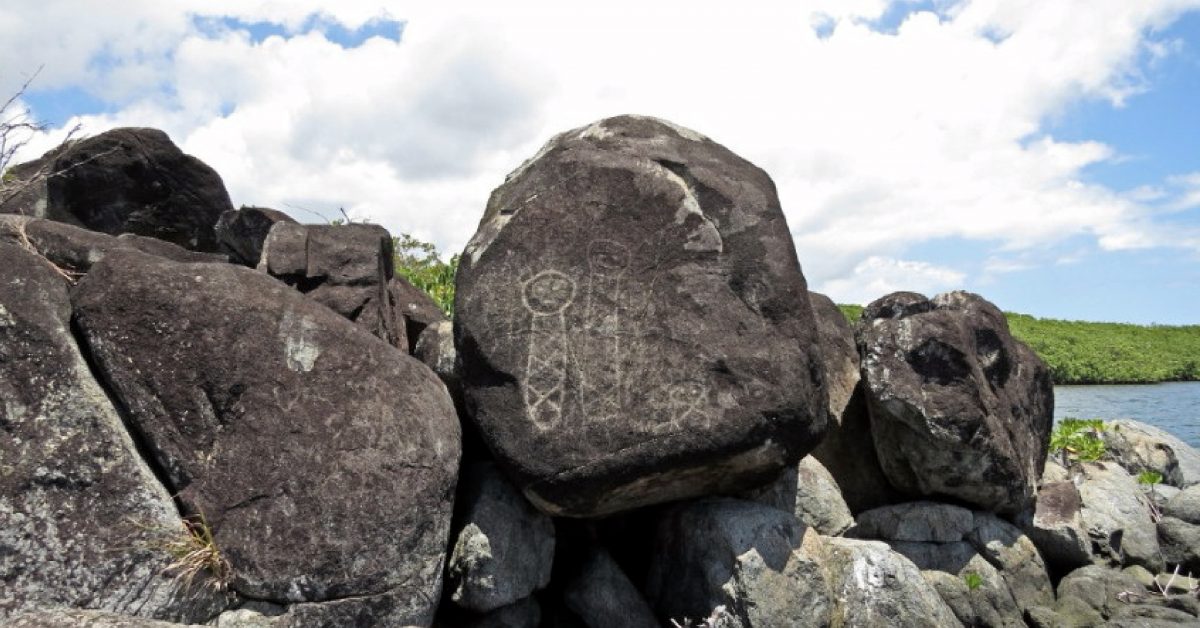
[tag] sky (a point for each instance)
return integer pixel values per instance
(1043, 154)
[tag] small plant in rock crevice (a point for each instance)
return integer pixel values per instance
(972, 580)
(195, 554)
(1078, 439)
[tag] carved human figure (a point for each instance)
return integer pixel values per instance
(546, 295)
(603, 360)
(689, 404)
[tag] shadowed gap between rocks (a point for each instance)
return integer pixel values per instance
(139, 440)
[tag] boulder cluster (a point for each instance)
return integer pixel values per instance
(638, 416)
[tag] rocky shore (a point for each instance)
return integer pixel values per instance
(638, 416)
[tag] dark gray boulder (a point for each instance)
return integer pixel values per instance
(761, 564)
(958, 407)
(848, 451)
(346, 268)
(324, 459)
(241, 232)
(601, 595)
(435, 348)
(133, 180)
(634, 324)
(74, 249)
(503, 549)
(83, 520)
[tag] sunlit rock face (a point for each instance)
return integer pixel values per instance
(634, 325)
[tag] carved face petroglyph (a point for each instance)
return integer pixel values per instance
(548, 292)
(607, 256)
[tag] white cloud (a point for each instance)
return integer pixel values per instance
(877, 276)
(878, 142)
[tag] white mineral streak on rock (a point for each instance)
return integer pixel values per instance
(299, 349)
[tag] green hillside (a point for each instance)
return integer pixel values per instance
(1081, 352)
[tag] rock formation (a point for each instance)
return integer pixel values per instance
(958, 407)
(633, 323)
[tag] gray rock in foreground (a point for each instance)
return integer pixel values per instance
(505, 548)
(83, 520)
(760, 563)
(810, 493)
(634, 324)
(875, 586)
(324, 459)
(958, 407)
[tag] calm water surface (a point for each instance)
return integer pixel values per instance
(1174, 407)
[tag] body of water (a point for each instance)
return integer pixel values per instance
(1174, 406)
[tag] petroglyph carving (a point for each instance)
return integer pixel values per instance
(546, 296)
(592, 361)
(601, 373)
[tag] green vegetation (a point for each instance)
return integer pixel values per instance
(852, 312)
(1111, 353)
(1080, 352)
(1079, 439)
(973, 580)
(1150, 477)
(420, 264)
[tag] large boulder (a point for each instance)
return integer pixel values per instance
(503, 550)
(848, 451)
(634, 324)
(1116, 513)
(761, 564)
(1140, 447)
(876, 586)
(241, 232)
(959, 408)
(131, 180)
(323, 459)
(346, 268)
(83, 520)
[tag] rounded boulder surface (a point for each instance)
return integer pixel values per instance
(958, 407)
(634, 325)
(135, 180)
(323, 459)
